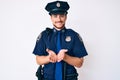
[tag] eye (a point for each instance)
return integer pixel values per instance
(55, 16)
(62, 15)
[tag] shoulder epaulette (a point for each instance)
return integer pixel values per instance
(48, 31)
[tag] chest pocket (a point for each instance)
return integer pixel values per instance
(67, 42)
(50, 42)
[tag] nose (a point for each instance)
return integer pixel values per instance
(58, 18)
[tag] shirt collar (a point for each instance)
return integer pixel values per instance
(62, 30)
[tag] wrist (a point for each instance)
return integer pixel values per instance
(65, 57)
(48, 58)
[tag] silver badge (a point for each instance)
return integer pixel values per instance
(58, 4)
(68, 39)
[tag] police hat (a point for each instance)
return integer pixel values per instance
(57, 7)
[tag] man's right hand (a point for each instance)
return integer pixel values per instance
(52, 56)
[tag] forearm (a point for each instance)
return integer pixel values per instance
(74, 61)
(41, 60)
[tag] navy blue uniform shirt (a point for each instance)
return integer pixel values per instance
(70, 40)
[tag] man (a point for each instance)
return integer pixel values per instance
(60, 50)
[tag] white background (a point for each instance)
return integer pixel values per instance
(97, 21)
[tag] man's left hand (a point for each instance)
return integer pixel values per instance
(61, 54)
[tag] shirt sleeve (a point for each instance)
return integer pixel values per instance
(39, 48)
(79, 48)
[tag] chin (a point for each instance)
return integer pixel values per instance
(59, 26)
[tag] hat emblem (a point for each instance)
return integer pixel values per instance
(58, 4)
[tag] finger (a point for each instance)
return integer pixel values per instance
(53, 60)
(50, 54)
(47, 49)
(53, 57)
(65, 50)
(60, 58)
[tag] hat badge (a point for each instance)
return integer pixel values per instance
(58, 4)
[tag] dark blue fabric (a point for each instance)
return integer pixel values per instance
(58, 69)
(75, 48)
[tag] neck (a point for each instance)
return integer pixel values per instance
(58, 29)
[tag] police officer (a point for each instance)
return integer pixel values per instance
(60, 50)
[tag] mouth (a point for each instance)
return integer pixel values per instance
(60, 22)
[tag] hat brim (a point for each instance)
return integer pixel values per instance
(58, 12)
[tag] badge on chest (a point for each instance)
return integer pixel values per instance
(68, 38)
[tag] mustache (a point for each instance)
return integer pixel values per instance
(58, 21)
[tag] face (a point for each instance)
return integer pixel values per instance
(58, 20)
